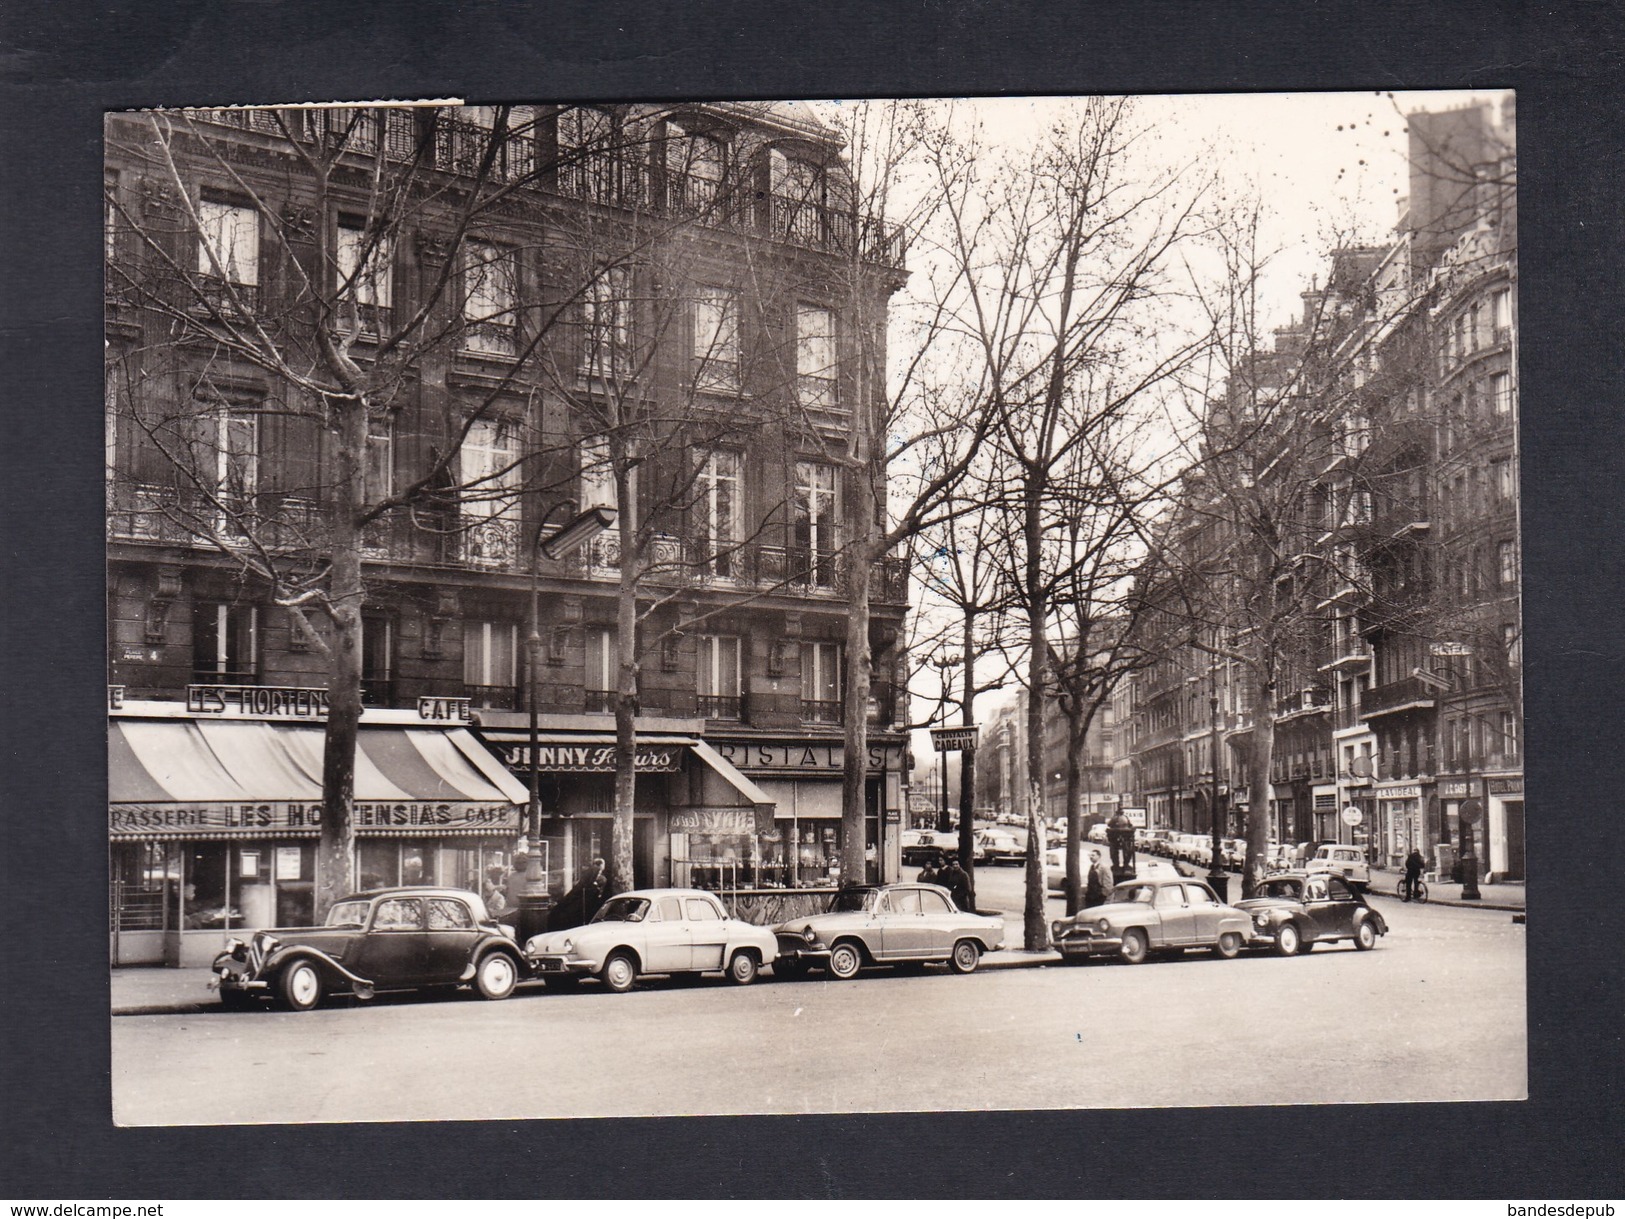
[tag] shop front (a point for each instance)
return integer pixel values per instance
(1504, 800)
(214, 817)
(1400, 827)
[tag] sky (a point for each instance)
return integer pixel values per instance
(1331, 167)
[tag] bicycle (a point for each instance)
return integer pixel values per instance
(1419, 891)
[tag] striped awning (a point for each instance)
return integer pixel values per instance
(192, 778)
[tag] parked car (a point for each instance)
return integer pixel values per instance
(1345, 861)
(999, 846)
(920, 847)
(653, 931)
(1294, 911)
(383, 939)
(1154, 842)
(1235, 853)
(886, 924)
(1152, 915)
(1055, 869)
(1097, 832)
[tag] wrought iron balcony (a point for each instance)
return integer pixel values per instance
(722, 706)
(1408, 693)
(821, 711)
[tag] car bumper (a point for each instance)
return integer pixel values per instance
(557, 966)
(795, 949)
(1091, 944)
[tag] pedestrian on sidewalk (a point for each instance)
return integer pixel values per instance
(929, 874)
(955, 879)
(1094, 888)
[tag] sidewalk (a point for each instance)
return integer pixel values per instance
(1503, 895)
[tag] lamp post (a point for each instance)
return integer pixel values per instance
(1215, 874)
(945, 664)
(570, 536)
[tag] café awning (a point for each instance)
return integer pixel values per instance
(230, 778)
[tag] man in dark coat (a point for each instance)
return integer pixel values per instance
(956, 880)
(1414, 866)
(1094, 892)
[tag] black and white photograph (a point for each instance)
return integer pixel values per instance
(783, 607)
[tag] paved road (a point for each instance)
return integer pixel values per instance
(1437, 1012)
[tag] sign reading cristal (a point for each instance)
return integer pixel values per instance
(947, 740)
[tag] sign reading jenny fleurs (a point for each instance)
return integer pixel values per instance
(946, 740)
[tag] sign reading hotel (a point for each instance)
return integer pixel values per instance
(577, 759)
(279, 818)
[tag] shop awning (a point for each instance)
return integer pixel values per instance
(731, 775)
(228, 778)
(804, 799)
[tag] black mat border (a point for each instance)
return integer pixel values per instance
(61, 65)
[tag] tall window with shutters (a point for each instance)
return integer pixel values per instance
(490, 664)
(364, 265)
(228, 254)
(716, 340)
(719, 512)
(718, 676)
(490, 299)
(821, 683)
(603, 668)
(606, 323)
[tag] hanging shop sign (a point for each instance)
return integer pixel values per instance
(1453, 789)
(277, 702)
(1352, 815)
(1504, 787)
(948, 740)
(713, 821)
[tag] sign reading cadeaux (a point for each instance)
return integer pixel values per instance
(947, 740)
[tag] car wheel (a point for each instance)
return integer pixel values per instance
(300, 986)
(845, 959)
(742, 968)
(619, 972)
(1229, 945)
(496, 976)
(965, 956)
(1365, 937)
(1288, 940)
(1136, 948)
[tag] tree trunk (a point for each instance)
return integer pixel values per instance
(967, 762)
(1035, 932)
(1258, 797)
(855, 710)
(622, 825)
(336, 847)
(1077, 729)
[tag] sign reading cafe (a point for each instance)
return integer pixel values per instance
(304, 818)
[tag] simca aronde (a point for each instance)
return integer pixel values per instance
(653, 931)
(1292, 913)
(1146, 916)
(384, 939)
(886, 924)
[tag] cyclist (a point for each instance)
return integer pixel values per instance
(1414, 863)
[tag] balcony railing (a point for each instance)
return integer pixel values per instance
(1303, 702)
(1406, 693)
(599, 702)
(722, 706)
(493, 698)
(821, 711)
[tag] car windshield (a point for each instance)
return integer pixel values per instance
(1280, 888)
(852, 899)
(622, 910)
(1132, 893)
(347, 914)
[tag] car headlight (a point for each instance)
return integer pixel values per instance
(236, 949)
(1260, 920)
(1104, 925)
(1055, 930)
(808, 934)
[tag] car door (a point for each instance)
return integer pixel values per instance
(904, 931)
(666, 940)
(449, 940)
(1204, 911)
(941, 923)
(1172, 926)
(393, 950)
(707, 932)
(1334, 911)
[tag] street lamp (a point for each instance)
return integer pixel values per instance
(572, 535)
(1215, 873)
(945, 663)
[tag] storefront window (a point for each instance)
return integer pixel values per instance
(205, 896)
(143, 874)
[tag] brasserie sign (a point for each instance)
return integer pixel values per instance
(299, 817)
